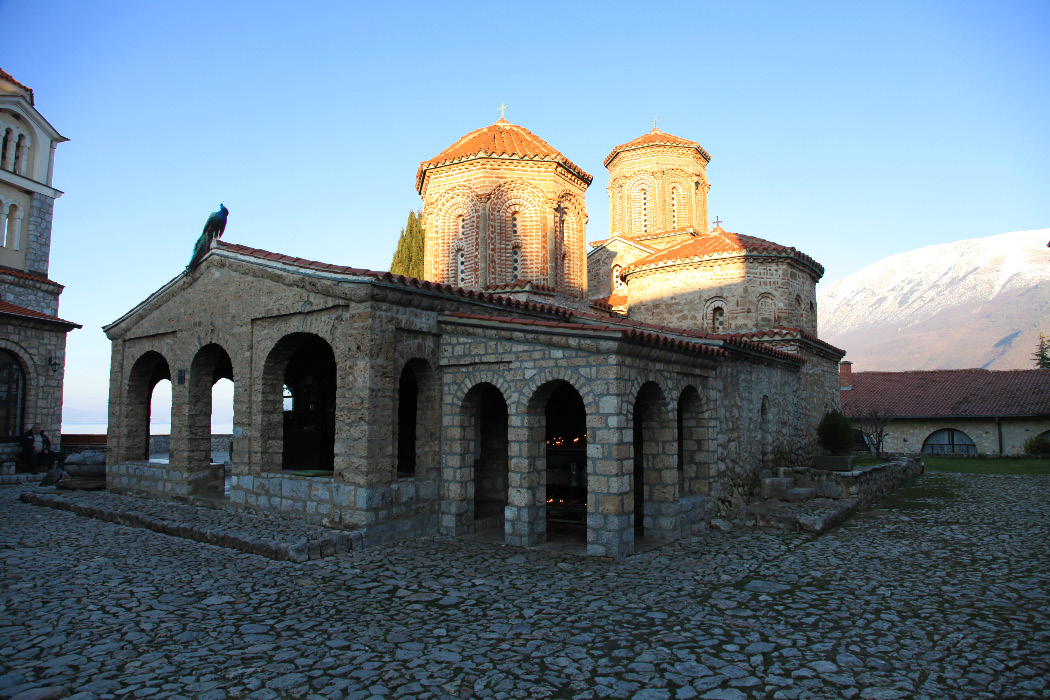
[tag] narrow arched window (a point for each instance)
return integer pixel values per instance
(718, 319)
(618, 282)
(674, 207)
(515, 263)
(461, 267)
(645, 211)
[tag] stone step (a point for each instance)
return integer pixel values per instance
(800, 493)
(773, 487)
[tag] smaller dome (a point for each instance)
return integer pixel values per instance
(500, 140)
(657, 138)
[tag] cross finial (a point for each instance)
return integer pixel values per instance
(655, 119)
(718, 222)
(502, 107)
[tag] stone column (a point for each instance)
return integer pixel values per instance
(457, 454)
(14, 234)
(3, 225)
(610, 473)
(9, 152)
(22, 157)
(525, 515)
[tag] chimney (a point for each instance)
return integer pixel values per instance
(845, 375)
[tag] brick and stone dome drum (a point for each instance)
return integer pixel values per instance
(502, 209)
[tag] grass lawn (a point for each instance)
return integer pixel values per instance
(999, 465)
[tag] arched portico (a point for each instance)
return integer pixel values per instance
(656, 478)
(146, 372)
(211, 364)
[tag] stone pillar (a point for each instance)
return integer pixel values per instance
(610, 471)
(22, 157)
(14, 232)
(661, 482)
(457, 473)
(525, 515)
(10, 150)
(3, 224)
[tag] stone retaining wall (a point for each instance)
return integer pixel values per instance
(867, 484)
(161, 444)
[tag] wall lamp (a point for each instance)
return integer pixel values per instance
(52, 362)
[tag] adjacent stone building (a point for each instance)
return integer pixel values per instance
(952, 411)
(32, 336)
(497, 394)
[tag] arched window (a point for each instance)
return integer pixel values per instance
(799, 311)
(766, 316)
(461, 267)
(645, 211)
(515, 262)
(674, 207)
(617, 280)
(718, 319)
(949, 441)
(12, 395)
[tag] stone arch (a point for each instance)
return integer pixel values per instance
(696, 442)
(417, 428)
(300, 436)
(147, 371)
(485, 437)
(517, 220)
(210, 364)
(531, 388)
(642, 196)
(656, 480)
(453, 228)
(32, 376)
(571, 256)
(765, 311)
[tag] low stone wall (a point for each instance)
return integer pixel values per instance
(866, 484)
(697, 512)
(162, 481)
(401, 510)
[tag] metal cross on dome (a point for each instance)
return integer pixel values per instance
(655, 119)
(718, 222)
(501, 109)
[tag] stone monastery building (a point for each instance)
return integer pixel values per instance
(524, 387)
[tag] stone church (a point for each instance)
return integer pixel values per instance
(32, 336)
(525, 387)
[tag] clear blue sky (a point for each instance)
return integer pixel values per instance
(849, 130)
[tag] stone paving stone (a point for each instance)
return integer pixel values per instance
(942, 591)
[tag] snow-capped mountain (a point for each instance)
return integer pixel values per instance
(975, 303)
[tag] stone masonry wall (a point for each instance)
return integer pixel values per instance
(30, 294)
(908, 436)
(34, 343)
(657, 168)
(37, 232)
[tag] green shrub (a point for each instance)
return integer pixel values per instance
(835, 433)
(1037, 445)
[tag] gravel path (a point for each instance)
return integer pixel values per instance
(942, 592)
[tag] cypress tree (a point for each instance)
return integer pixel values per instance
(408, 258)
(1042, 354)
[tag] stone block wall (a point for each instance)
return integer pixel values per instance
(37, 233)
(867, 484)
(34, 343)
(907, 436)
(30, 294)
(163, 481)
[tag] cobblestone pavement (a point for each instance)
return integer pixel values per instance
(941, 592)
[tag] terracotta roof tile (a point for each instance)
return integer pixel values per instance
(499, 140)
(29, 276)
(950, 392)
(7, 76)
(656, 138)
(12, 310)
(717, 244)
(648, 237)
(788, 333)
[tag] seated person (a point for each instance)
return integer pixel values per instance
(36, 449)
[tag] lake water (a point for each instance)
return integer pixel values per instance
(88, 428)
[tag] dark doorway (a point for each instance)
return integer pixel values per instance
(490, 456)
(566, 443)
(407, 407)
(309, 407)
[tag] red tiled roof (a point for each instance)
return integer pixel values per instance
(719, 243)
(499, 140)
(12, 310)
(656, 138)
(648, 237)
(628, 333)
(520, 284)
(788, 333)
(402, 280)
(29, 276)
(730, 341)
(950, 392)
(7, 76)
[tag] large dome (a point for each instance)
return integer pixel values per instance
(499, 140)
(657, 138)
